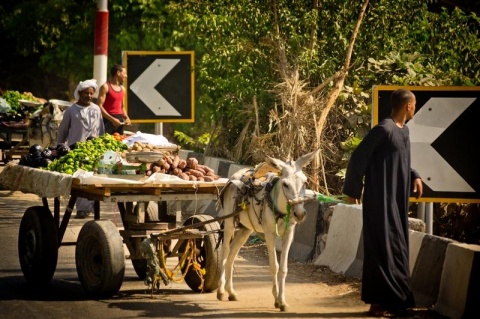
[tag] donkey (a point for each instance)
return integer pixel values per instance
(272, 208)
(52, 115)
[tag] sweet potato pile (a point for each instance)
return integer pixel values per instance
(189, 169)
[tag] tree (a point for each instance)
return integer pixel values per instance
(57, 37)
(50, 35)
(271, 74)
(276, 77)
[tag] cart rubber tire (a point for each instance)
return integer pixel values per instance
(100, 258)
(140, 267)
(151, 213)
(38, 245)
(209, 257)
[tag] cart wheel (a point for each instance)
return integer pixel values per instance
(208, 256)
(151, 213)
(38, 245)
(100, 258)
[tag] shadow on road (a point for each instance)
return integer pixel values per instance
(17, 288)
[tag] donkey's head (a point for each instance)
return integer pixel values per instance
(292, 185)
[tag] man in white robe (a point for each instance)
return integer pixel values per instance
(82, 120)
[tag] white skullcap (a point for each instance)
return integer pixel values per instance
(83, 85)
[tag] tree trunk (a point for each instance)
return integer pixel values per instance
(339, 79)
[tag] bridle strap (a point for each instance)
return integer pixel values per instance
(268, 197)
(299, 200)
(269, 200)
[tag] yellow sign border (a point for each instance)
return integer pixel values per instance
(375, 106)
(192, 84)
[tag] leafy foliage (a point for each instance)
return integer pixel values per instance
(13, 97)
(197, 145)
(230, 40)
(259, 62)
(53, 30)
(457, 221)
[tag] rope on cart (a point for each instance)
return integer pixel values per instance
(190, 255)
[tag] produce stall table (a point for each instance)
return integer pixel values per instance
(11, 131)
(8, 145)
(99, 253)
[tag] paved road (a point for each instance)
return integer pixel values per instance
(64, 298)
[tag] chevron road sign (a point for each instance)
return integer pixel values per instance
(160, 86)
(444, 136)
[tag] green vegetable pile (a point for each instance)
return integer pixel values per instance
(86, 154)
(12, 98)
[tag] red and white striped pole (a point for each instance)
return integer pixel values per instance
(100, 59)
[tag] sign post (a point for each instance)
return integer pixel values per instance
(100, 44)
(444, 139)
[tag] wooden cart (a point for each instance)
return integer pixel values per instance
(99, 252)
(9, 145)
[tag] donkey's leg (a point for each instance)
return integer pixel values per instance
(273, 263)
(239, 240)
(287, 240)
(228, 233)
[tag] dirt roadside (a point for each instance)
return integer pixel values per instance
(331, 290)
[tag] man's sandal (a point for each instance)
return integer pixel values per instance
(378, 311)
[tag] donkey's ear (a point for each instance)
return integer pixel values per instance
(306, 159)
(276, 163)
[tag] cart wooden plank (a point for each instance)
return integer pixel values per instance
(53, 184)
(155, 189)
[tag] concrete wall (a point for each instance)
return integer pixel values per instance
(343, 239)
(310, 236)
(445, 274)
(426, 267)
(459, 291)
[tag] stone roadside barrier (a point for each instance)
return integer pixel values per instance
(445, 273)
(344, 234)
(459, 292)
(426, 266)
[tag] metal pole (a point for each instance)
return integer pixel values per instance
(429, 218)
(100, 58)
(159, 128)
(421, 211)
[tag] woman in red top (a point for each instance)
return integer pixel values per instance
(110, 99)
